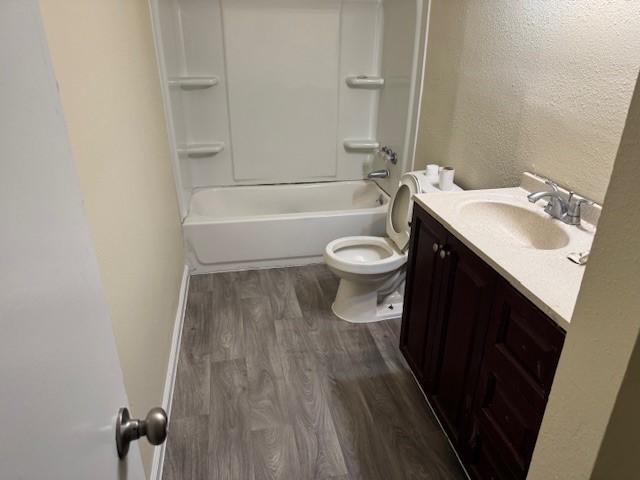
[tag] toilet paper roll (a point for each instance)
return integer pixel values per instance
(432, 170)
(446, 178)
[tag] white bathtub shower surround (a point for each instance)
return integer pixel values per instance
(280, 101)
(231, 228)
(284, 93)
(272, 92)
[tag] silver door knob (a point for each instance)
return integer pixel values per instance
(436, 247)
(443, 253)
(154, 427)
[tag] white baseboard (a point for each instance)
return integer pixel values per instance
(172, 366)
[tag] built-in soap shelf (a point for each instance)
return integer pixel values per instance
(365, 81)
(202, 149)
(361, 145)
(193, 83)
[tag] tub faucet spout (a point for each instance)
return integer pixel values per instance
(379, 174)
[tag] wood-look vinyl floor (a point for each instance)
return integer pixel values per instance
(271, 385)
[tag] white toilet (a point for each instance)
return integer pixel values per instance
(372, 269)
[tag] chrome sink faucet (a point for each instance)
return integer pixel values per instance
(557, 206)
(567, 210)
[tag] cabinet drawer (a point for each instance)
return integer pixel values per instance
(524, 339)
(486, 460)
(521, 354)
(506, 415)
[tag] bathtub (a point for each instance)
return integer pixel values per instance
(235, 228)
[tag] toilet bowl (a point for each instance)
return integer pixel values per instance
(371, 269)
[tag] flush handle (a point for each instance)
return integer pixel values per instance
(154, 427)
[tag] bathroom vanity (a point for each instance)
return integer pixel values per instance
(484, 324)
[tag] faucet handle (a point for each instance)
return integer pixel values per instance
(576, 200)
(388, 154)
(552, 184)
(574, 197)
(573, 207)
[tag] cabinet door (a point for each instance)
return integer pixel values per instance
(455, 348)
(422, 289)
(521, 354)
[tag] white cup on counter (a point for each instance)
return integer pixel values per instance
(446, 178)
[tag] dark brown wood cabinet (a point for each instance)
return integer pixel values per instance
(483, 354)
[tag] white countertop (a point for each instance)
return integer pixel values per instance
(546, 277)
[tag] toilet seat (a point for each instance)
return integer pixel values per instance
(398, 221)
(364, 255)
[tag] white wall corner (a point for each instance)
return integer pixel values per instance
(172, 367)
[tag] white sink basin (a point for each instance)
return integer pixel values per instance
(530, 229)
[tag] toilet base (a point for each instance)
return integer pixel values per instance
(357, 302)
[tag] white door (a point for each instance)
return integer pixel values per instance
(60, 378)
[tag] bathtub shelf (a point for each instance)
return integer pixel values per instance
(365, 81)
(193, 83)
(361, 145)
(202, 149)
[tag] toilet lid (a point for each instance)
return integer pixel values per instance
(401, 209)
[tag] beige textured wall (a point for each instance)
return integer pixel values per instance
(104, 60)
(618, 456)
(528, 85)
(599, 345)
